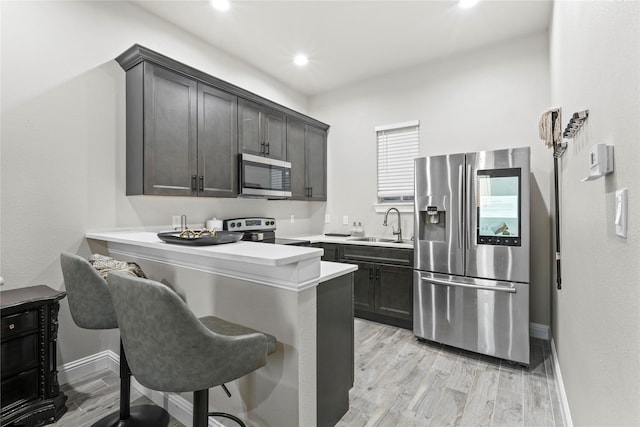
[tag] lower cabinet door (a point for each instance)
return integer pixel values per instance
(394, 291)
(363, 281)
(20, 388)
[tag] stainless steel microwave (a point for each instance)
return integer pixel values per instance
(264, 177)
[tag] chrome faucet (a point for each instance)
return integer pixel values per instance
(399, 232)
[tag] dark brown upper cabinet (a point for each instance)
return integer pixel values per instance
(261, 130)
(185, 129)
(181, 135)
(307, 153)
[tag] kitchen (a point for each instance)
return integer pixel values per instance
(63, 150)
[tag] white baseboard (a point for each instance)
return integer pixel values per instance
(537, 330)
(564, 403)
(176, 405)
(72, 371)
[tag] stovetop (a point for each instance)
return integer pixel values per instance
(260, 229)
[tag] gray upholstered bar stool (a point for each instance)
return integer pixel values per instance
(170, 349)
(91, 308)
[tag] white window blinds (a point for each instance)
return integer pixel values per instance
(397, 147)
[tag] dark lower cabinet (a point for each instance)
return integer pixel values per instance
(30, 392)
(331, 251)
(394, 292)
(335, 341)
(383, 284)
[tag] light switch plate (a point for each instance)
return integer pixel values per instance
(621, 213)
(345, 220)
(327, 218)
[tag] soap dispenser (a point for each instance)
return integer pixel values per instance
(354, 231)
(360, 230)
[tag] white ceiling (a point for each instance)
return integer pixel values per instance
(348, 41)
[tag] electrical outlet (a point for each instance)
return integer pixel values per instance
(292, 219)
(327, 218)
(345, 220)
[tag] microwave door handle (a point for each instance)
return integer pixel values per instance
(460, 205)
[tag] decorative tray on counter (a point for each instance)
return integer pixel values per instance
(202, 237)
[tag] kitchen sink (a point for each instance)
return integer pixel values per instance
(379, 240)
(373, 239)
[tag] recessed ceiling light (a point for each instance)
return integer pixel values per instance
(221, 4)
(301, 60)
(466, 4)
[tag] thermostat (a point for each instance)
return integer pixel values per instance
(600, 161)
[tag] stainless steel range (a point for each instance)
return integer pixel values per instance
(471, 277)
(260, 229)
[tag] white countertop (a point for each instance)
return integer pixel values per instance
(331, 270)
(246, 252)
(284, 266)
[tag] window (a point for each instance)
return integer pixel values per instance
(397, 147)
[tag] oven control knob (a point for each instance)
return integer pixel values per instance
(233, 224)
(239, 224)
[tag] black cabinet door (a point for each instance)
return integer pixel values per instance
(296, 155)
(250, 138)
(275, 134)
(316, 163)
(394, 291)
(363, 286)
(261, 130)
(170, 132)
(217, 143)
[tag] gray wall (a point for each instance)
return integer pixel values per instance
(595, 64)
(63, 139)
(481, 100)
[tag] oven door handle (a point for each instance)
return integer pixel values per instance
(508, 289)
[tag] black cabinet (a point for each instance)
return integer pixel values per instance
(185, 129)
(307, 152)
(261, 130)
(181, 135)
(335, 343)
(30, 392)
(331, 251)
(217, 147)
(383, 283)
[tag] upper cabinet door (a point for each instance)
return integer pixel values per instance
(261, 130)
(170, 132)
(217, 142)
(250, 138)
(316, 163)
(296, 155)
(275, 134)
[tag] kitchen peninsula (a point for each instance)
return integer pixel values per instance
(286, 291)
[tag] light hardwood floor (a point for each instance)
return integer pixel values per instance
(399, 382)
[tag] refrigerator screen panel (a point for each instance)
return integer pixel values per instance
(498, 207)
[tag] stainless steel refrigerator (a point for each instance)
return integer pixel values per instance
(471, 250)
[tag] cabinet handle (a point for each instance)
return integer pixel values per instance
(193, 182)
(201, 188)
(267, 147)
(377, 273)
(310, 191)
(12, 326)
(370, 273)
(262, 148)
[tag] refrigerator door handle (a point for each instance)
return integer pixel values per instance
(460, 204)
(468, 207)
(508, 289)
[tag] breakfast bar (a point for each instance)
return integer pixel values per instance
(286, 291)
